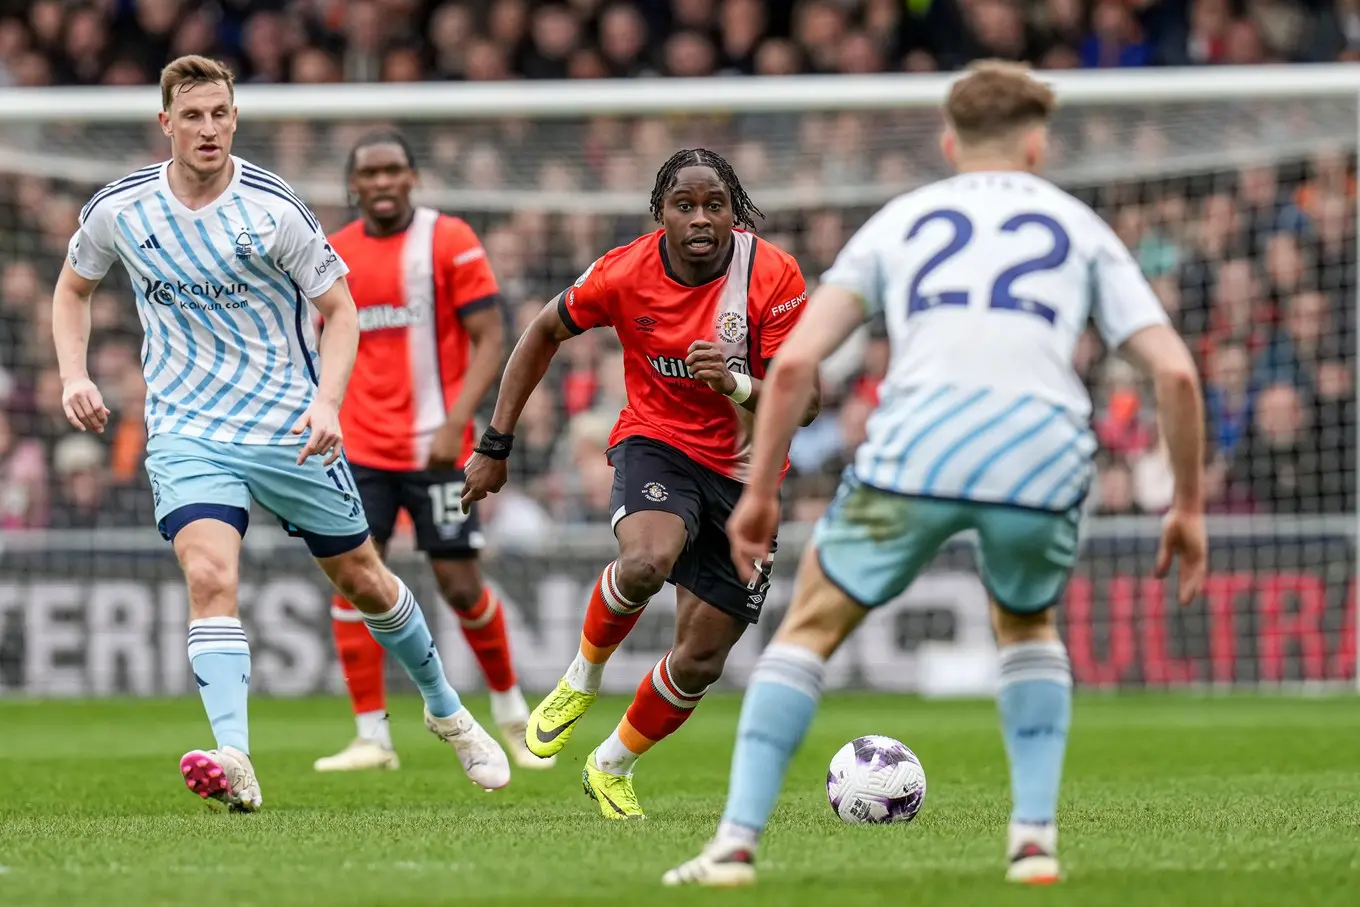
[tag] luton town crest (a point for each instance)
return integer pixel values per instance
(731, 327)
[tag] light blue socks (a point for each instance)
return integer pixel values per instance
(403, 632)
(220, 656)
(1036, 711)
(779, 705)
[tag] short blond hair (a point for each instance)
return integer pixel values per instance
(995, 99)
(191, 70)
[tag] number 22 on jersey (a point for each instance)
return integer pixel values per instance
(1002, 295)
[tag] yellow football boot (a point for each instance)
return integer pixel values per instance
(554, 719)
(613, 793)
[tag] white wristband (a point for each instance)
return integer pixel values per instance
(742, 392)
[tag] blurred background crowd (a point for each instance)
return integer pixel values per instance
(1255, 263)
(124, 42)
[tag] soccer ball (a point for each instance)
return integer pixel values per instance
(875, 780)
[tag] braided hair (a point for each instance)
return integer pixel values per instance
(744, 211)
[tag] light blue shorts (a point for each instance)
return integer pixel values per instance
(192, 478)
(873, 543)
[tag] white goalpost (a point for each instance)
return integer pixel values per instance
(1235, 187)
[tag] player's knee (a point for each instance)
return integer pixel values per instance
(461, 596)
(641, 574)
(211, 580)
(365, 581)
(1013, 627)
(696, 667)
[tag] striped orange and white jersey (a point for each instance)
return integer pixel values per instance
(412, 290)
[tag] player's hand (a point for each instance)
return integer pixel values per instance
(751, 529)
(483, 476)
(324, 421)
(84, 405)
(446, 446)
(705, 361)
(1183, 538)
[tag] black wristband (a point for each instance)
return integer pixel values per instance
(494, 444)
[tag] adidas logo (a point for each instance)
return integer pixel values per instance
(151, 242)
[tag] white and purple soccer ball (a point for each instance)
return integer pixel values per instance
(875, 780)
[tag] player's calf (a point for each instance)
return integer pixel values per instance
(218, 650)
(481, 617)
(669, 694)
(1035, 700)
(482, 620)
(398, 623)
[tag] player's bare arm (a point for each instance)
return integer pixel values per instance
(81, 400)
(486, 336)
(486, 471)
(790, 389)
(338, 346)
(1161, 354)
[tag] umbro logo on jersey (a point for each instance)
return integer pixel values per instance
(151, 242)
(645, 324)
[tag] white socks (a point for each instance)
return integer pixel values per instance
(374, 726)
(509, 707)
(584, 677)
(615, 758)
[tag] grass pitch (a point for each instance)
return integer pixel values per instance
(1168, 801)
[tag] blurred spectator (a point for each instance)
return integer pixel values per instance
(1114, 493)
(1300, 345)
(81, 485)
(1115, 39)
(23, 480)
(1281, 462)
(1228, 399)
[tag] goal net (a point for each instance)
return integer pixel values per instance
(1236, 190)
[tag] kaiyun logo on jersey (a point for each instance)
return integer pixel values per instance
(207, 297)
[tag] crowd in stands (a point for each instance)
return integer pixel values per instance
(1256, 265)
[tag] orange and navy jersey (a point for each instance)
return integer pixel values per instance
(412, 290)
(748, 310)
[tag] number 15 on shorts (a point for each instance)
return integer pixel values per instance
(446, 501)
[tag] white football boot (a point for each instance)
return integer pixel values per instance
(512, 733)
(482, 757)
(225, 775)
(1033, 855)
(722, 864)
(511, 714)
(361, 754)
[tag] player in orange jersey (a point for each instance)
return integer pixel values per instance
(430, 344)
(700, 308)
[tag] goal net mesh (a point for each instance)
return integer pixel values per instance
(1242, 213)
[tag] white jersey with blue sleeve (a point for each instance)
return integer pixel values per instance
(986, 282)
(222, 293)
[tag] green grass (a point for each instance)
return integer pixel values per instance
(1168, 801)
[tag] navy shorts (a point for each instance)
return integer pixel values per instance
(649, 475)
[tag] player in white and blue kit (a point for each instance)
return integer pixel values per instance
(986, 281)
(241, 405)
